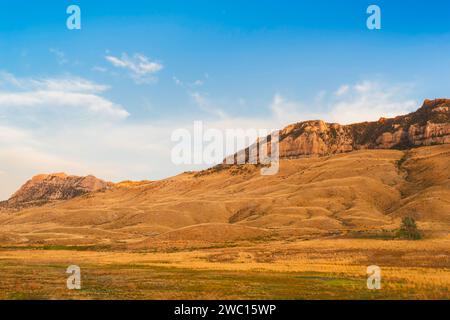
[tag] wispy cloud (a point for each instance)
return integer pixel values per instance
(198, 83)
(370, 100)
(60, 56)
(363, 101)
(65, 83)
(342, 90)
(202, 101)
(55, 94)
(178, 82)
(99, 69)
(190, 85)
(141, 69)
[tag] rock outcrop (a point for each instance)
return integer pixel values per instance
(45, 188)
(429, 125)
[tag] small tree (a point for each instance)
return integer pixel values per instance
(408, 229)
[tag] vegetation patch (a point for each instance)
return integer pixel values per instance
(408, 230)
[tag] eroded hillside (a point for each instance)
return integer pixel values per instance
(310, 197)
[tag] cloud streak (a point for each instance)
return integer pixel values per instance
(56, 94)
(140, 68)
(60, 56)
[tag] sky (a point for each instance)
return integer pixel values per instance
(105, 99)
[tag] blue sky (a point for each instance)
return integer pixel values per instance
(104, 99)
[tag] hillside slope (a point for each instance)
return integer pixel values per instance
(310, 197)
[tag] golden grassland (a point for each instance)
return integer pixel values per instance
(308, 232)
(316, 269)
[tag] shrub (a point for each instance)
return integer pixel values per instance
(408, 229)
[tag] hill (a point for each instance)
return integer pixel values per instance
(45, 188)
(341, 195)
(334, 181)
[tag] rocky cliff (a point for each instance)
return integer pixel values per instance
(44, 188)
(429, 125)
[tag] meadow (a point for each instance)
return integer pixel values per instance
(316, 269)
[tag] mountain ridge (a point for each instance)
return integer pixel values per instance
(429, 125)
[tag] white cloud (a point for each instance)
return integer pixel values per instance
(370, 100)
(281, 108)
(140, 68)
(73, 84)
(11, 135)
(363, 101)
(206, 105)
(54, 94)
(57, 99)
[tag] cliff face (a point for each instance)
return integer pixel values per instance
(58, 186)
(429, 125)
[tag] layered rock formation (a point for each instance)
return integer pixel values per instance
(44, 188)
(429, 125)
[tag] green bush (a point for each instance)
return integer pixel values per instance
(408, 229)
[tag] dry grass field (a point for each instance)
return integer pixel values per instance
(308, 232)
(315, 269)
